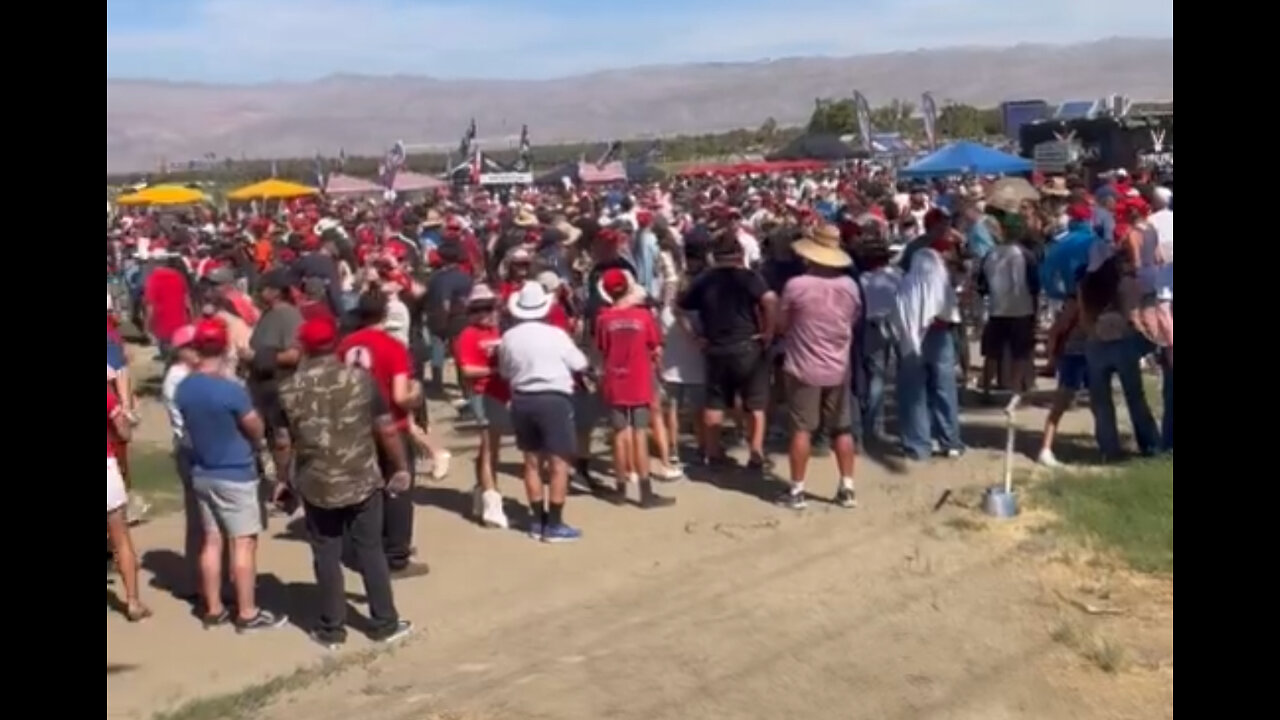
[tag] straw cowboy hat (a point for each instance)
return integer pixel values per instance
(531, 303)
(822, 247)
(525, 218)
(433, 219)
(1055, 187)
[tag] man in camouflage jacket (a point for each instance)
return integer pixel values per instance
(336, 418)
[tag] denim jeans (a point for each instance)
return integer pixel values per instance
(361, 526)
(397, 511)
(928, 401)
(1123, 358)
(876, 351)
(1166, 422)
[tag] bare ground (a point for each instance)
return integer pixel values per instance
(722, 607)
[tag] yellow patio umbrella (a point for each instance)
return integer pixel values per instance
(163, 195)
(272, 189)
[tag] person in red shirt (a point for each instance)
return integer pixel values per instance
(118, 425)
(475, 349)
(630, 348)
(387, 360)
(167, 299)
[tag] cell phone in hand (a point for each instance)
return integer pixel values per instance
(288, 503)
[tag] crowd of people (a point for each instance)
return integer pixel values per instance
(301, 340)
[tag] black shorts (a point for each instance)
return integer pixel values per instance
(543, 423)
(738, 372)
(1018, 334)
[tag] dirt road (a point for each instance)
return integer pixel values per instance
(721, 607)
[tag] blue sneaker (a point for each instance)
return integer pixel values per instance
(560, 534)
(535, 530)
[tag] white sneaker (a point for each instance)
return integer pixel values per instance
(440, 465)
(492, 514)
(667, 473)
(1047, 459)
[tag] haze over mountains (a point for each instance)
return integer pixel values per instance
(148, 121)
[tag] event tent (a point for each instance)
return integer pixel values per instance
(759, 167)
(272, 189)
(966, 158)
(584, 173)
(817, 146)
(340, 185)
(163, 195)
(411, 182)
(641, 171)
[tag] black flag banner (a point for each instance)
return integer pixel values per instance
(525, 159)
(610, 154)
(468, 139)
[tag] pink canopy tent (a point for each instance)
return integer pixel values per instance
(409, 182)
(340, 185)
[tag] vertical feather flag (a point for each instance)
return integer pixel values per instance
(476, 166)
(322, 176)
(392, 163)
(342, 158)
(610, 154)
(274, 169)
(863, 112)
(468, 139)
(929, 109)
(523, 162)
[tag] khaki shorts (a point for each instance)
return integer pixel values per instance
(232, 507)
(812, 408)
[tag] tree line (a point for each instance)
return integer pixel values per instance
(835, 116)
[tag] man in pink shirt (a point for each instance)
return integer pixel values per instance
(816, 318)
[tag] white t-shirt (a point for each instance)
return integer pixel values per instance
(397, 321)
(1005, 269)
(750, 248)
(1162, 221)
(173, 377)
(682, 360)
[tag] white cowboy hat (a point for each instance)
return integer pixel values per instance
(531, 303)
(822, 247)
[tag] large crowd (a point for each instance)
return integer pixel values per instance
(300, 340)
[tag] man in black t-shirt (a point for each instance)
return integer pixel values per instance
(736, 312)
(446, 308)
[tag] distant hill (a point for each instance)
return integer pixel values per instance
(149, 120)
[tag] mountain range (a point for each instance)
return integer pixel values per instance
(149, 121)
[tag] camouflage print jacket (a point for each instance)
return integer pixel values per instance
(331, 410)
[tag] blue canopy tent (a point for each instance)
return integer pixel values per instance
(966, 158)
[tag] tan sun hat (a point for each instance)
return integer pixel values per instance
(525, 218)
(822, 247)
(1055, 187)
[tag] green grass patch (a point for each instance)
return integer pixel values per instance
(247, 703)
(153, 475)
(1128, 510)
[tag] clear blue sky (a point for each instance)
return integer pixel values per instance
(262, 40)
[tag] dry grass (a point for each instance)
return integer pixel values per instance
(1104, 654)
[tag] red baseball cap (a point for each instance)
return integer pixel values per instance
(210, 336)
(318, 335)
(615, 282)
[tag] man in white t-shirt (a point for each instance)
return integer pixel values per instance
(1162, 222)
(184, 362)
